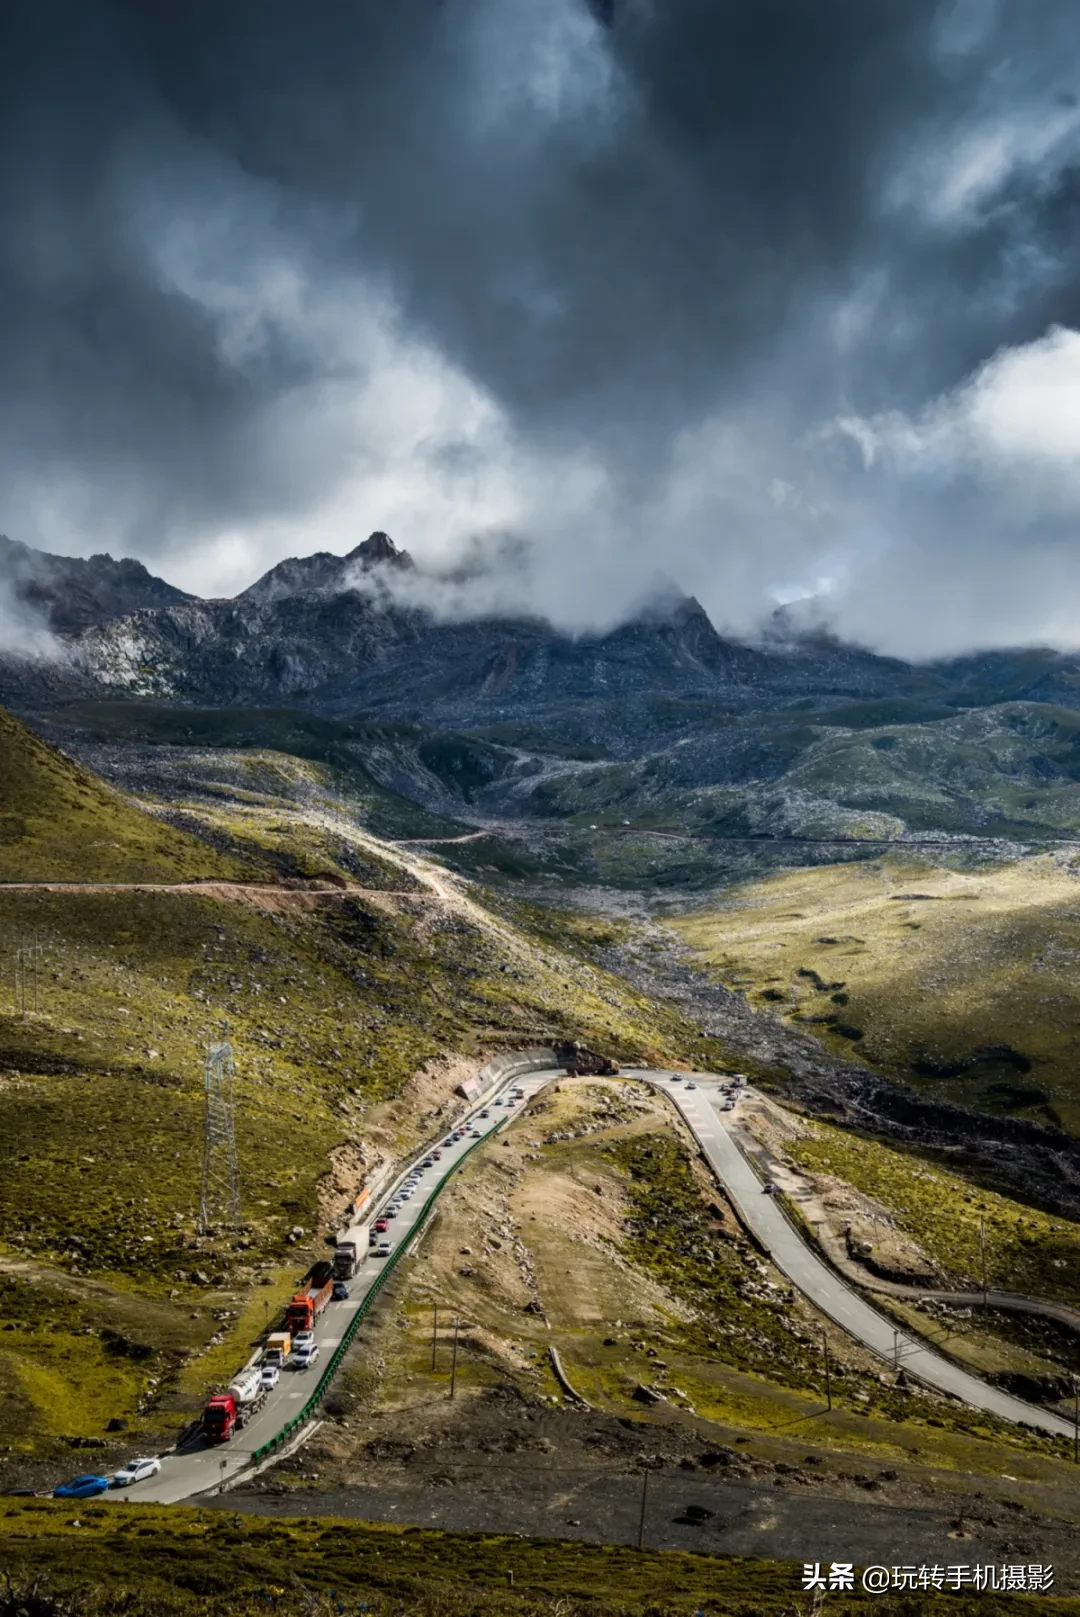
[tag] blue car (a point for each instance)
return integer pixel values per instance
(82, 1488)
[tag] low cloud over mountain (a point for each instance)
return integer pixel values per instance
(778, 298)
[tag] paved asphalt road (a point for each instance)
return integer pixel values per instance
(201, 1466)
(814, 1278)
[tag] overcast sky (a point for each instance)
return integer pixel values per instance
(776, 297)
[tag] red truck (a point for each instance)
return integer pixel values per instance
(219, 1418)
(227, 1411)
(308, 1304)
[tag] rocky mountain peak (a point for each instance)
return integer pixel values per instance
(323, 573)
(72, 592)
(378, 549)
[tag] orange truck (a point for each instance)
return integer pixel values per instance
(308, 1304)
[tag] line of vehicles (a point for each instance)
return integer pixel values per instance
(93, 1483)
(730, 1090)
(294, 1345)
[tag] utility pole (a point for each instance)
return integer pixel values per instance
(828, 1373)
(434, 1332)
(37, 951)
(641, 1518)
(896, 1348)
(453, 1362)
(219, 1197)
(1076, 1421)
(982, 1246)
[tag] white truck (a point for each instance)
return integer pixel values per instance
(248, 1392)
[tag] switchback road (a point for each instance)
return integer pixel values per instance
(201, 1467)
(763, 1215)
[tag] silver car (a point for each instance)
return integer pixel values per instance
(136, 1471)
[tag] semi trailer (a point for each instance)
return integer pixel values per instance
(227, 1411)
(345, 1260)
(308, 1304)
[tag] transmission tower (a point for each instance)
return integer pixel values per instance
(219, 1200)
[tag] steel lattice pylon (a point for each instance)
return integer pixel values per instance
(219, 1199)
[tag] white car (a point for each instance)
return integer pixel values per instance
(268, 1377)
(690, 1084)
(383, 1249)
(136, 1471)
(306, 1356)
(303, 1340)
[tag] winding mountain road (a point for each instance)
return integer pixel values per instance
(818, 1283)
(199, 1467)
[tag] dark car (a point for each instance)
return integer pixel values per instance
(341, 1291)
(82, 1487)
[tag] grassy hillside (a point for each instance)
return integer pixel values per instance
(176, 747)
(1025, 1249)
(59, 822)
(877, 769)
(131, 1559)
(335, 1002)
(961, 981)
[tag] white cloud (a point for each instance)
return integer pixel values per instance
(1015, 422)
(976, 503)
(23, 632)
(951, 176)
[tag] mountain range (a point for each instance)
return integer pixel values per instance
(661, 721)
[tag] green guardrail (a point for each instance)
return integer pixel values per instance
(354, 1324)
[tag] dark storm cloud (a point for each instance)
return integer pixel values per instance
(607, 272)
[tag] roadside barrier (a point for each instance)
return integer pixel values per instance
(379, 1282)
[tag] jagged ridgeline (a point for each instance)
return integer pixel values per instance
(659, 723)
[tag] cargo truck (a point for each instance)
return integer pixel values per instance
(278, 1348)
(345, 1259)
(308, 1304)
(227, 1411)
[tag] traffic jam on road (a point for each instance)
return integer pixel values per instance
(275, 1386)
